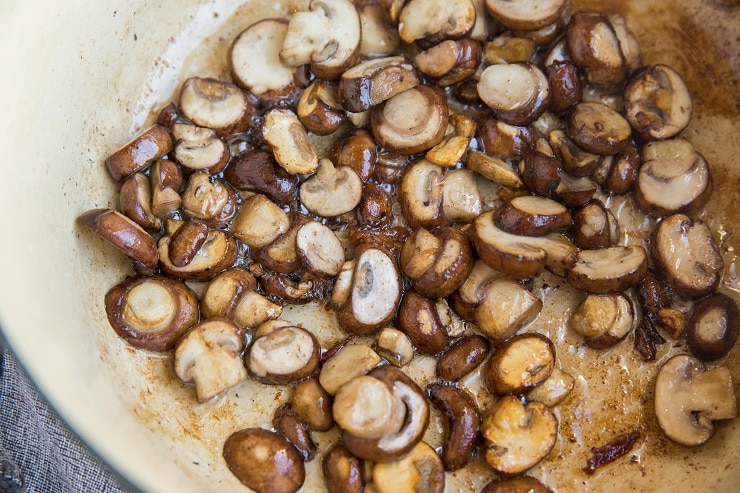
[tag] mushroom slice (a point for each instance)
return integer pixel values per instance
(594, 226)
(257, 171)
(628, 44)
(199, 148)
(232, 295)
(603, 319)
(597, 128)
(379, 38)
(124, 234)
(540, 172)
(395, 346)
(285, 355)
(139, 152)
(418, 318)
(375, 292)
(319, 109)
(554, 389)
(451, 61)
(343, 471)
(327, 36)
(714, 327)
(371, 82)
(186, 241)
(673, 178)
(687, 256)
(420, 470)
(525, 15)
(517, 93)
(517, 436)
(296, 291)
(506, 48)
(217, 253)
(289, 142)
(412, 121)
(439, 265)
(493, 169)
(689, 398)
(282, 255)
(471, 293)
(575, 192)
(166, 181)
(358, 150)
(332, 191)
(375, 210)
(209, 355)
(218, 105)
(320, 249)
(136, 202)
(657, 102)
(392, 9)
(523, 484)
(151, 312)
(421, 194)
(566, 86)
(462, 357)
(367, 408)
(429, 22)
(259, 222)
(264, 461)
(504, 141)
(462, 422)
(520, 363)
(506, 308)
(255, 62)
(608, 270)
(209, 199)
(453, 146)
(594, 47)
(461, 198)
(576, 161)
(350, 362)
(530, 215)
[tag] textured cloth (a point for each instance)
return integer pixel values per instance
(38, 452)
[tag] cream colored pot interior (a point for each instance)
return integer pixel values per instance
(79, 78)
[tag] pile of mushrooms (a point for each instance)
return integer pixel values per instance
(421, 105)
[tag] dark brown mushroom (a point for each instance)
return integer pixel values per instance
(358, 150)
(462, 357)
(281, 255)
(604, 319)
(617, 173)
(597, 128)
(166, 180)
(575, 192)
(566, 87)
(714, 327)
(217, 253)
(462, 422)
(312, 404)
(450, 62)
(594, 47)
(139, 152)
(576, 162)
(607, 270)
(295, 290)
(369, 83)
(287, 424)
(530, 215)
(136, 202)
(209, 199)
(343, 471)
(504, 141)
(376, 207)
(540, 173)
(187, 241)
(594, 226)
(319, 109)
(257, 171)
(418, 318)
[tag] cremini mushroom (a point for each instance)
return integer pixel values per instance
(505, 309)
(451, 61)
(376, 207)
(554, 389)
(257, 171)
(462, 357)
(187, 241)
(367, 408)
(525, 15)
(540, 173)
(358, 150)
(259, 222)
(494, 169)
(232, 295)
(455, 143)
(462, 423)
(286, 422)
(217, 253)
(295, 289)
(607, 270)
(209, 199)
(657, 102)
(151, 312)
(289, 142)
(519, 364)
(349, 362)
(530, 215)
(594, 226)
(523, 484)
(420, 470)
(597, 128)
(421, 194)
(461, 197)
(594, 47)
(504, 141)
(517, 93)
(320, 249)
(209, 355)
(281, 255)
(566, 86)
(687, 256)
(371, 82)
(379, 38)
(312, 404)
(343, 471)
(576, 161)
(617, 173)
(217, 105)
(575, 192)
(429, 22)
(319, 109)
(689, 398)
(327, 36)
(285, 355)
(166, 181)
(714, 327)
(136, 202)
(332, 191)
(603, 319)
(418, 319)
(673, 178)
(139, 152)
(507, 48)
(394, 346)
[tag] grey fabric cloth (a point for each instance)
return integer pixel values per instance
(38, 451)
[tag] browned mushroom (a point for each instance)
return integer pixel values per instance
(151, 312)
(421, 194)
(603, 320)
(714, 327)
(369, 83)
(453, 146)
(367, 408)
(554, 389)
(136, 202)
(607, 270)
(139, 152)
(418, 318)
(523, 484)
(594, 226)
(296, 289)
(420, 470)
(257, 171)
(462, 357)
(524, 15)
(575, 192)
(594, 47)
(285, 355)
(312, 404)
(540, 173)
(332, 191)
(395, 346)
(507, 48)
(343, 471)
(209, 355)
(576, 162)
(379, 38)
(289, 142)
(390, 166)
(259, 222)
(217, 253)
(493, 169)
(217, 105)
(199, 148)
(287, 424)
(428, 22)
(187, 241)
(597, 128)
(232, 295)
(281, 255)
(166, 180)
(505, 309)
(376, 207)
(617, 173)
(566, 87)
(532, 216)
(450, 62)
(349, 362)
(319, 109)
(462, 422)
(209, 199)
(520, 363)
(504, 141)
(327, 36)
(412, 121)
(461, 197)
(358, 150)
(517, 93)
(319, 249)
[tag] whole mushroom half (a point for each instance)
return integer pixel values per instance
(218, 105)
(284, 355)
(332, 191)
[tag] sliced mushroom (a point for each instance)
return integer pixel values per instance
(376, 207)
(540, 173)
(395, 346)
(358, 150)
(342, 471)
(418, 319)
(594, 226)
(603, 319)
(505, 141)
(232, 295)
(530, 215)
(264, 461)
(392, 9)
(217, 105)
(438, 263)
(463, 424)
(608, 270)
(525, 15)
(462, 357)
(312, 404)
(319, 109)
(575, 192)
(332, 191)
(367, 408)
(390, 166)
(289, 142)
(673, 178)
(186, 241)
(420, 470)
(657, 102)
(320, 249)
(493, 169)
(421, 194)
(617, 173)
(374, 294)
(379, 38)
(594, 47)
(506, 48)
(327, 36)
(209, 199)
(455, 143)
(429, 22)
(151, 312)
(554, 389)
(689, 398)
(136, 202)
(287, 424)
(451, 61)
(461, 198)
(506, 308)
(285, 355)
(281, 255)
(597, 128)
(139, 152)
(576, 161)
(714, 327)
(217, 253)
(520, 363)
(255, 62)
(517, 93)
(259, 222)
(524, 484)
(209, 355)
(412, 121)
(166, 180)
(295, 290)
(257, 171)
(349, 362)
(369, 83)
(687, 256)
(124, 234)
(566, 86)
(517, 436)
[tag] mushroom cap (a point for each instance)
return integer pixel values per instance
(218, 105)
(285, 355)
